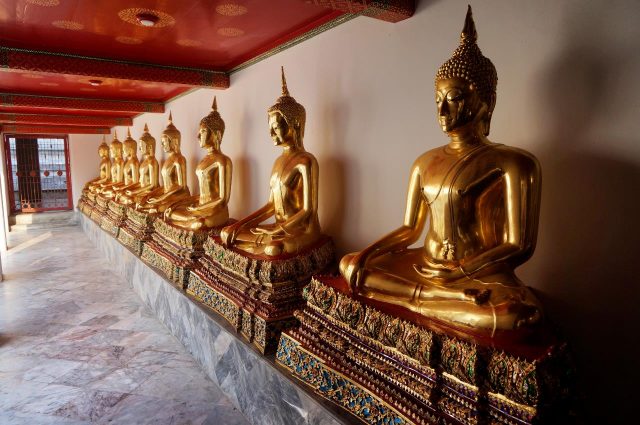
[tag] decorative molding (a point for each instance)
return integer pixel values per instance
(53, 129)
(59, 63)
(79, 120)
(294, 41)
(385, 10)
(55, 102)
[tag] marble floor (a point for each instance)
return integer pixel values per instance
(77, 346)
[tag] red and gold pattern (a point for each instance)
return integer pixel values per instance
(53, 129)
(389, 10)
(74, 120)
(260, 293)
(417, 373)
(52, 102)
(30, 60)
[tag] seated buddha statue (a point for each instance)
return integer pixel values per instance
(117, 166)
(147, 172)
(293, 194)
(105, 167)
(129, 170)
(209, 209)
(174, 175)
(480, 201)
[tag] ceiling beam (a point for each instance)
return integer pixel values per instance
(52, 129)
(34, 101)
(385, 10)
(76, 120)
(59, 63)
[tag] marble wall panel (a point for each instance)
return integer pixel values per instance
(253, 383)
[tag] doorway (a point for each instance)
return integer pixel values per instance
(38, 173)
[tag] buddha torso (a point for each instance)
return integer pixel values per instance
(208, 174)
(117, 170)
(147, 169)
(131, 171)
(173, 171)
(105, 169)
(458, 187)
(287, 186)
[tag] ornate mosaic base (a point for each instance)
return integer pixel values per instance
(421, 372)
(336, 387)
(129, 238)
(266, 291)
(240, 311)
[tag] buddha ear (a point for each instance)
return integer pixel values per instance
(489, 114)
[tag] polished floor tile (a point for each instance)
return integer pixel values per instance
(77, 346)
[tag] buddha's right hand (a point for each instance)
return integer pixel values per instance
(352, 268)
(228, 235)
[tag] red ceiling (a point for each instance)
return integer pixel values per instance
(198, 35)
(51, 49)
(49, 84)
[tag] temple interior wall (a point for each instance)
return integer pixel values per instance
(568, 92)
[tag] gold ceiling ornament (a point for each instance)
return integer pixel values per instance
(231, 9)
(131, 16)
(44, 3)
(230, 32)
(68, 25)
(128, 40)
(186, 42)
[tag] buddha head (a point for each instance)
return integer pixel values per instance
(147, 142)
(171, 137)
(287, 118)
(129, 145)
(466, 85)
(211, 128)
(103, 149)
(116, 147)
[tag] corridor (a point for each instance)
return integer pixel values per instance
(77, 346)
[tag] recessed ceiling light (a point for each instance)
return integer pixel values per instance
(147, 19)
(95, 83)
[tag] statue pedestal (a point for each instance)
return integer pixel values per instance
(114, 218)
(395, 367)
(257, 295)
(137, 230)
(174, 251)
(100, 209)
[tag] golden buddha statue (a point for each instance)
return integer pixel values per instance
(105, 167)
(117, 166)
(174, 175)
(481, 201)
(293, 195)
(147, 172)
(209, 209)
(130, 169)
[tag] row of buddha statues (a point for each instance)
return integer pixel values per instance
(479, 200)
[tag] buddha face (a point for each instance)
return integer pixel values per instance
(116, 150)
(281, 132)
(209, 137)
(103, 152)
(457, 102)
(166, 143)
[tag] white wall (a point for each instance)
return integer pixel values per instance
(568, 92)
(83, 153)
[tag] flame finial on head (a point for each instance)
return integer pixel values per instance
(285, 89)
(469, 29)
(129, 132)
(293, 112)
(146, 128)
(469, 64)
(213, 121)
(171, 131)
